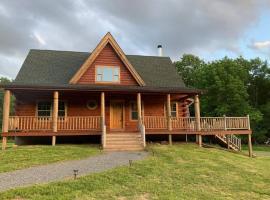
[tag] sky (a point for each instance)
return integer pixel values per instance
(210, 29)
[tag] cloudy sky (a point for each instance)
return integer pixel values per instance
(208, 28)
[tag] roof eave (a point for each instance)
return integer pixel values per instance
(102, 88)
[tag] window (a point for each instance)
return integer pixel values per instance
(107, 74)
(61, 109)
(173, 109)
(91, 104)
(44, 109)
(134, 111)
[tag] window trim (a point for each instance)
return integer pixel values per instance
(51, 110)
(130, 110)
(165, 109)
(107, 66)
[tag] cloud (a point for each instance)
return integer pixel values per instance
(261, 45)
(186, 26)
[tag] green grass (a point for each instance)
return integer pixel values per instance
(182, 171)
(257, 147)
(26, 156)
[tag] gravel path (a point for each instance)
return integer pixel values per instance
(64, 170)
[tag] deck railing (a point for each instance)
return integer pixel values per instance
(189, 123)
(155, 122)
(79, 123)
(33, 123)
(186, 123)
(29, 123)
(73, 123)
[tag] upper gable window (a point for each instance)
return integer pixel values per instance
(107, 74)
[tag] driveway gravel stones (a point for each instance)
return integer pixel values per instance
(65, 170)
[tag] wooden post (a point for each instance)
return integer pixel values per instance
(102, 113)
(55, 115)
(169, 122)
(170, 139)
(6, 109)
(197, 119)
(227, 136)
(228, 141)
(139, 107)
(102, 103)
(250, 152)
(249, 146)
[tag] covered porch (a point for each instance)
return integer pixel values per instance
(102, 121)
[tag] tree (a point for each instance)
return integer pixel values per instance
(234, 87)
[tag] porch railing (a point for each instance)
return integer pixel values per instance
(30, 123)
(33, 123)
(189, 123)
(79, 123)
(155, 122)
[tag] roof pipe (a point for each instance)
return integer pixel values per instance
(160, 51)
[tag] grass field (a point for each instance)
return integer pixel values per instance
(258, 147)
(182, 171)
(26, 156)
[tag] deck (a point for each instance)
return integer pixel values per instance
(91, 125)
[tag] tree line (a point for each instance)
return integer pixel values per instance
(232, 87)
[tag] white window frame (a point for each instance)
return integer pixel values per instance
(176, 111)
(105, 66)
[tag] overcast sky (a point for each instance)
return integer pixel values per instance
(211, 29)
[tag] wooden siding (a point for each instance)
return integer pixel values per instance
(108, 57)
(153, 105)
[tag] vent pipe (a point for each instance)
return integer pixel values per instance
(160, 52)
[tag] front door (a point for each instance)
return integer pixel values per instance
(117, 115)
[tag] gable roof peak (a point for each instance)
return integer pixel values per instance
(108, 38)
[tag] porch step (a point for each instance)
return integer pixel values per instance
(123, 142)
(234, 142)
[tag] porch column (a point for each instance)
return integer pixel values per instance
(139, 107)
(249, 140)
(197, 119)
(102, 113)
(55, 115)
(6, 109)
(169, 122)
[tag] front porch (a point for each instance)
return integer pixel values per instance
(106, 119)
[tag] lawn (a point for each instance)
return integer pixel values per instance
(258, 147)
(182, 171)
(26, 156)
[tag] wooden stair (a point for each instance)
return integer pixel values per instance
(123, 141)
(234, 142)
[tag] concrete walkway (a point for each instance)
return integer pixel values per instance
(64, 170)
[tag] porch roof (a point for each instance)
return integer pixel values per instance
(113, 88)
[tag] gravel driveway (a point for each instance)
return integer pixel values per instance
(64, 170)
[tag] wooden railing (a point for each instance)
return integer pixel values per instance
(232, 141)
(224, 123)
(237, 122)
(155, 122)
(79, 123)
(206, 123)
(141, 128)
(29, 123)
(186, 123)
(33, 123)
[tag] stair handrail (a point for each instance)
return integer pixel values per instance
(142, 131)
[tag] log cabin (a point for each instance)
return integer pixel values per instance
(119, 98)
